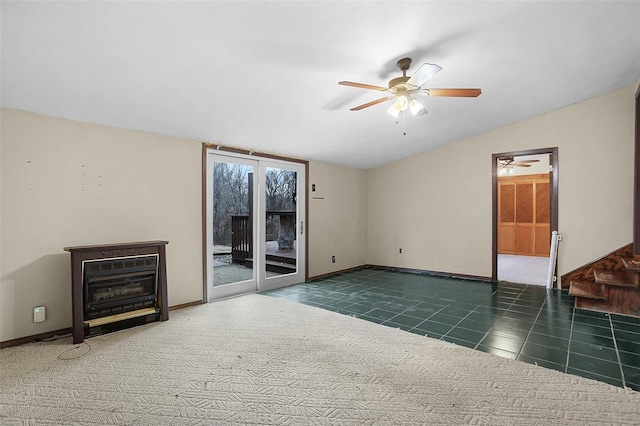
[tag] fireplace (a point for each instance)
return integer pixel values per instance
(117, 286)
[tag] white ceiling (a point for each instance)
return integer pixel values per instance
(263, 75)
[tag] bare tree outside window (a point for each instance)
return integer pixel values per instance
(281, 196)
(231, 197)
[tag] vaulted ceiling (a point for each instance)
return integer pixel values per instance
(263, 75)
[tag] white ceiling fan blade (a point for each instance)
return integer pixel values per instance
(424, 73)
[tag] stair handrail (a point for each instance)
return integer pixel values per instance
(553, 259)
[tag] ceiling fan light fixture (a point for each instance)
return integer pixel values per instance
(401, 103)
(393, 111)
(417, 108)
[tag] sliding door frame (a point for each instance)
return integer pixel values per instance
(258, 156)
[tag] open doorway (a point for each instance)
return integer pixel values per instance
(525, 212)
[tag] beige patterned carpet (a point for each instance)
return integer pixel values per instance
(259, 360)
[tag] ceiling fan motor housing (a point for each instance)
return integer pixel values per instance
(398, 80)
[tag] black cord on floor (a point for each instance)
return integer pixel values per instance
(64, 357)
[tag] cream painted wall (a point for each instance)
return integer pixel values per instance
(337, 217)
(67, 183)
(442, 218)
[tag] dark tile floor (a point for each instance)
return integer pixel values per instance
(522, 322)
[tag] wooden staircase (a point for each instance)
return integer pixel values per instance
(610, 284)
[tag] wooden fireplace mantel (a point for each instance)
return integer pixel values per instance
(80, 254)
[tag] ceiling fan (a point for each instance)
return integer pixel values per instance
(403, 89)
(508, 162)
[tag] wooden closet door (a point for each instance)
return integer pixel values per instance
(506, 217)
(524, 227)
(543, 218)
(524, 215)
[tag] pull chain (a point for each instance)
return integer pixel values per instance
(404, 124)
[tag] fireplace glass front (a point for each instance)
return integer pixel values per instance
(117, 285)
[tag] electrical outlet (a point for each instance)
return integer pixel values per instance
(39, 314)
(400, 250)
(333, 259)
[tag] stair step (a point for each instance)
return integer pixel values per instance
(631, 263)
(588, 290)
(615, 277)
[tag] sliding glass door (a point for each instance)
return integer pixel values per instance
(231, 225)
(282, 233)
(254, 224)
